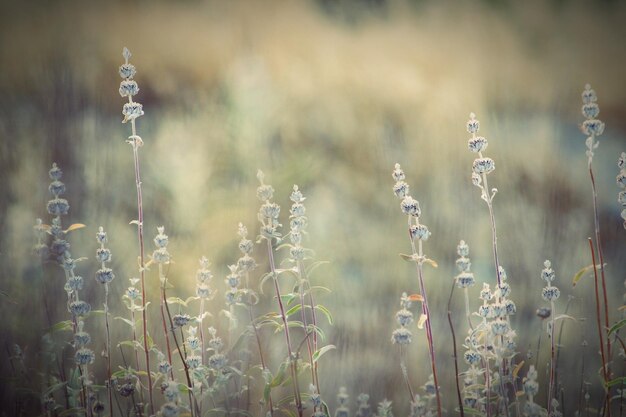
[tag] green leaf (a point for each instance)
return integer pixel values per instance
(319, 288)
(280, 375)
(320, 352)
(564, 316)
(578, 276)
(62, 326)
(266, 393)
(473, 411)
(177, 300)
(326, 312)
(617, 381)
(315, 265)
(288, 298)
(617, 326)
(264, 279)
(125, 320)
(53, 388)
(293, 310)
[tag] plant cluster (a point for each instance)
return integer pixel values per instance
(199, 365)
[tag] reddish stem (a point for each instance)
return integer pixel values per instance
(599, 322)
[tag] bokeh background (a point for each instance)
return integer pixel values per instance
(326, 94)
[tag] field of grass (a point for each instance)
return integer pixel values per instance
(328, 95)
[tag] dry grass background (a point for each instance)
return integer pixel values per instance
(327, 95)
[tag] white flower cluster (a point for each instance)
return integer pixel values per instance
(592, 127)
(129, 88)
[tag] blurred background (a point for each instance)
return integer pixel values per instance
(326, 94)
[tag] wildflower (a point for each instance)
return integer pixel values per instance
(58, 207)
(103, 255)
(593, 127)
(483, 166)
(84, 356)
(384, 409)
(342, 410)
(128, 88)
(127, 71)
(401, 336)
(203, 291)
(472, 357)
(550, 293)
(410, 206)
(217, 361)
(56, 188)
(126, 390)
(263, 192)
(161, 239)
(164, 367)
(75, 282)
(245, 246)
(363, 407)
(477, 144)
(131, 111)
(132, 293)
(472, 124)
(510, 307)
(463, 264)
(398, 173)
(465, 279)
(79, 308)
(315, 398)
(531, 387)
(104, 275)
(401, 189)
(543, 312)
(181, 320)
(194, 361)
(485, 293)
(419, 231)
(82, 338)
(589, 95)
(404, 317)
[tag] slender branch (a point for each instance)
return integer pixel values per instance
(425, 310)
(599, 322)
(456, 363)
(292, 360)
(135, 144)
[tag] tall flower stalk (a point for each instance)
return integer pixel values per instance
(79, 309)
(420, 233)
(268, 216)
(505, 349)
(593, 127)
(162, 257)
(550, 293)
(246, 264)
(297, 255)
(131, 111)
(402, 337)
(104, 276)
